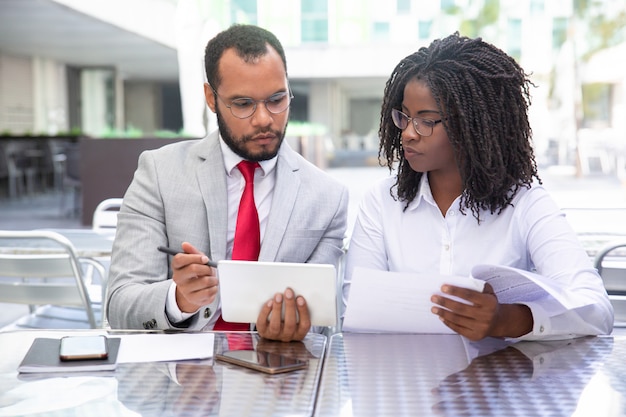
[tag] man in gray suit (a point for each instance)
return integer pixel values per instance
(186, 196)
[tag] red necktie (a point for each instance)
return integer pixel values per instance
(247, 234)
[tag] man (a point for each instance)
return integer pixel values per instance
(187, 195)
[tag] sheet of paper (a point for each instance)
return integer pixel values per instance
(165, 347)
(383, 301)
(513, 285)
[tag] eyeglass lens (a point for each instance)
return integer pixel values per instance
(245, 107)
(422, 127)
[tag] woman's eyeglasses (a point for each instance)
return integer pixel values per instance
(423, 127)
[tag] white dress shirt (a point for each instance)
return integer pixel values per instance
(532, 234)
(264, 180)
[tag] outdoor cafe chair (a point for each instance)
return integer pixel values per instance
(610, 261)
(41, 269)
(105, 214)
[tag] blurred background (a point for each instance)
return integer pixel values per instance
(85, 86)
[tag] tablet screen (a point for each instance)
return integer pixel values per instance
(246, 285)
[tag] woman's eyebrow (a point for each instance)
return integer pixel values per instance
(405, 109)
(427, 111)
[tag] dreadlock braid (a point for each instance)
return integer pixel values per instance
(484, 96)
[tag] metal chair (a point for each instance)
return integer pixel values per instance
(51, 281)
(105, 214)
(610, 261)
(15, 169)
(71, 179)
(105, 221)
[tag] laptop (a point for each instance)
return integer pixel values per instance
(246, 285)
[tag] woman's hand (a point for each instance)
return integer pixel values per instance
(481, 315)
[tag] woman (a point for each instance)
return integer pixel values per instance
(454, 122)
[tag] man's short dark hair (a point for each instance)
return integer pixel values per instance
(249, 41)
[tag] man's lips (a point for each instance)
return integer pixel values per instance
(268, 137)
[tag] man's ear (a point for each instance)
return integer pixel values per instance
(209, 96)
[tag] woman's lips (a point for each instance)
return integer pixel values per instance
(411, 152)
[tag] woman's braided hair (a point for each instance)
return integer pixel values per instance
(483, 95)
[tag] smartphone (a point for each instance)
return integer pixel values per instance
(74, 348)
(270, 363)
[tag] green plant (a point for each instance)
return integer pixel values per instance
(130, 132)
(165, 134)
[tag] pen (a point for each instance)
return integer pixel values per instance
(173, 252)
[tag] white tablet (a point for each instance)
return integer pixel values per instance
(245, 286)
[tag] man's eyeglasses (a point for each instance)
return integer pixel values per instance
(244, 107)
(423, 127)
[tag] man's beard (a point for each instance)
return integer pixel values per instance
(237, 145)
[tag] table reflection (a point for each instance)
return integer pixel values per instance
(161, 389)
(445, 375)
(523, 379)
(176, 389)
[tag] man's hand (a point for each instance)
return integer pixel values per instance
(484, 316)
(200, 391)
(196, 282)
(294, 326)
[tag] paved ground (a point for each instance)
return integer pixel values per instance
(595, 193)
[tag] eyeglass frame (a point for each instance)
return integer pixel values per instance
(288, 94)
(414, 121)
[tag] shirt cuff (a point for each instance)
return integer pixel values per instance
(541, 323)
(174, 314)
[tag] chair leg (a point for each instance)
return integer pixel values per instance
(30, 175)
(16, 186)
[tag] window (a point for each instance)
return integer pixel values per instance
(403, 6)
(424, 29)
(243, 11)
(536, 7)
(314, 15)
(380, 31)
(448, 5)
(559, 32)
(514, 38)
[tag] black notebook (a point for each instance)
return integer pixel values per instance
(43, 356)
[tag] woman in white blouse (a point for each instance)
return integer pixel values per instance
(454, 123)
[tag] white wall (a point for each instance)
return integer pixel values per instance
(17, 109)
(93, 101)
(50, 96)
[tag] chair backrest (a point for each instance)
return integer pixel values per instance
(610, 261)
(105, 214)
(72, 161)
(4, 160)
(54, 277)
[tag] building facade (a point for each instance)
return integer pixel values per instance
(111, 72)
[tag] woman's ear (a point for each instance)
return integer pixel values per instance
(209, 96)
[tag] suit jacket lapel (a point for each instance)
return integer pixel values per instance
(283, 201)
(211, 179)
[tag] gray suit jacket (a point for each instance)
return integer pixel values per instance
(178, 194)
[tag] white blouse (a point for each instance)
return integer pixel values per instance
(533, 235)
